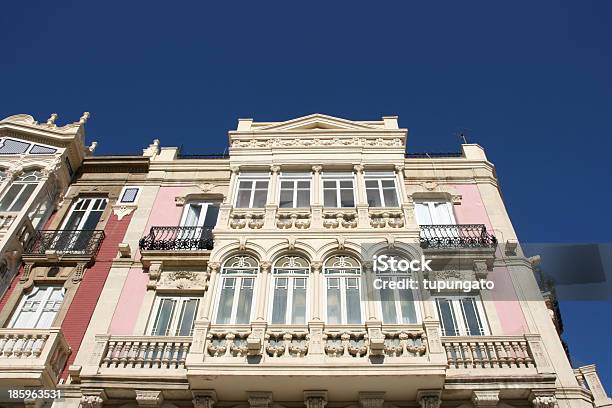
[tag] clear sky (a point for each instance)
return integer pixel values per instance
(531, 80)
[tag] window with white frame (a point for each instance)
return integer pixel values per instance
(173, 316)
(20, 191)
(294, 190)
(200, 214)
(37, 309)
(461, 315)
(338, 190)
(398, 306)
(289, 288)
(79, 224)
(252, 190)
(343, 290)
(236, 290)
(381, 190)
(129, 195)
(434, 212)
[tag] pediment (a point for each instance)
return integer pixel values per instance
(317, 121)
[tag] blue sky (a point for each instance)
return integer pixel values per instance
(531, 80)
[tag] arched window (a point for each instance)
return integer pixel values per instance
(289, 285)
(236, 288)
(343, 290)
(397, 298)
(20, 190)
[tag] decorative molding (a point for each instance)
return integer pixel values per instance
(315, 399)
(123, 210)
(93, 398)
(204, 398)
(79, 271)
(485, 398)
(429, 398)
(182, 280)
(260, 399)
(543, 399)
(149, 398)
(317, 168)
(371, 399)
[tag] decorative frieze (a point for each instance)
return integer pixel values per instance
(315, 399)
(485, 398)
(149, 398)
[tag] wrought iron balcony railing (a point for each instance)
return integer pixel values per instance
(177, 238)
(72, 242)
(456, 236)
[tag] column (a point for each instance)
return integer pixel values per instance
(213, 273)
(315, 296)
(317, 203)
(370, 293)
(363, 219)
(272, 199)
(263, 289)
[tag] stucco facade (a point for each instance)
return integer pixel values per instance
(247, 279)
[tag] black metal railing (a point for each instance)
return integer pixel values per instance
(422, 155)
(177, 238)
(75, 242)
(456, 236)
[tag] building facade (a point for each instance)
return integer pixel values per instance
(252, 279)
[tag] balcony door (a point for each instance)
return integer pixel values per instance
(197, 222)
(80, 223)
(436, 219)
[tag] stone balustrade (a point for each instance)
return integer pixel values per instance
(246, 219)
(488, 352)
(32, 356)
(147, 352)
(293, 219)
(340, 219)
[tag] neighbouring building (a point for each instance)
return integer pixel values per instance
(247, 280)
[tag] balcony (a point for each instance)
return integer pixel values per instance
(177, 239)
(54, 245)
(32, 357)
(462, 236)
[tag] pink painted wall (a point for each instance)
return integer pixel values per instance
(128, 307)
(472, 211)
(164, 212)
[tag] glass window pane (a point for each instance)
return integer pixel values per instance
(298, 315)
(303, 198)
(243, 313)
(286, 198)
(387, 303)
(329, 184)
(346, 184)
(261, 185)
(329, 198)
(129, 195)
(185, 324)
(471, 318)
(259, 200)
(373, 197)
(9, 197)
(390, 196)
(226, 301)
(407, 307)
(441, 214)
(25, 194)
(333, 302)
(303, 184)
(244, 197)
(346, 198)
(212, 212)
(353, 303)
(447, 317)
(371, 184)
(193, 215)
(164, 317)
(279, 304)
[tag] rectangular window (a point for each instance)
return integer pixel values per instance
(343, 300)
(338, 190)
(129, 195)
(252, 190)
(460, 316)
(381, 190)
(16, 196)
(434, 213)
(235, 300)
(397, 305)
(289, 300)
(173, 316)
(37, 309)
(294, 190)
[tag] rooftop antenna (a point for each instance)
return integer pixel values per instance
(462, 134)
